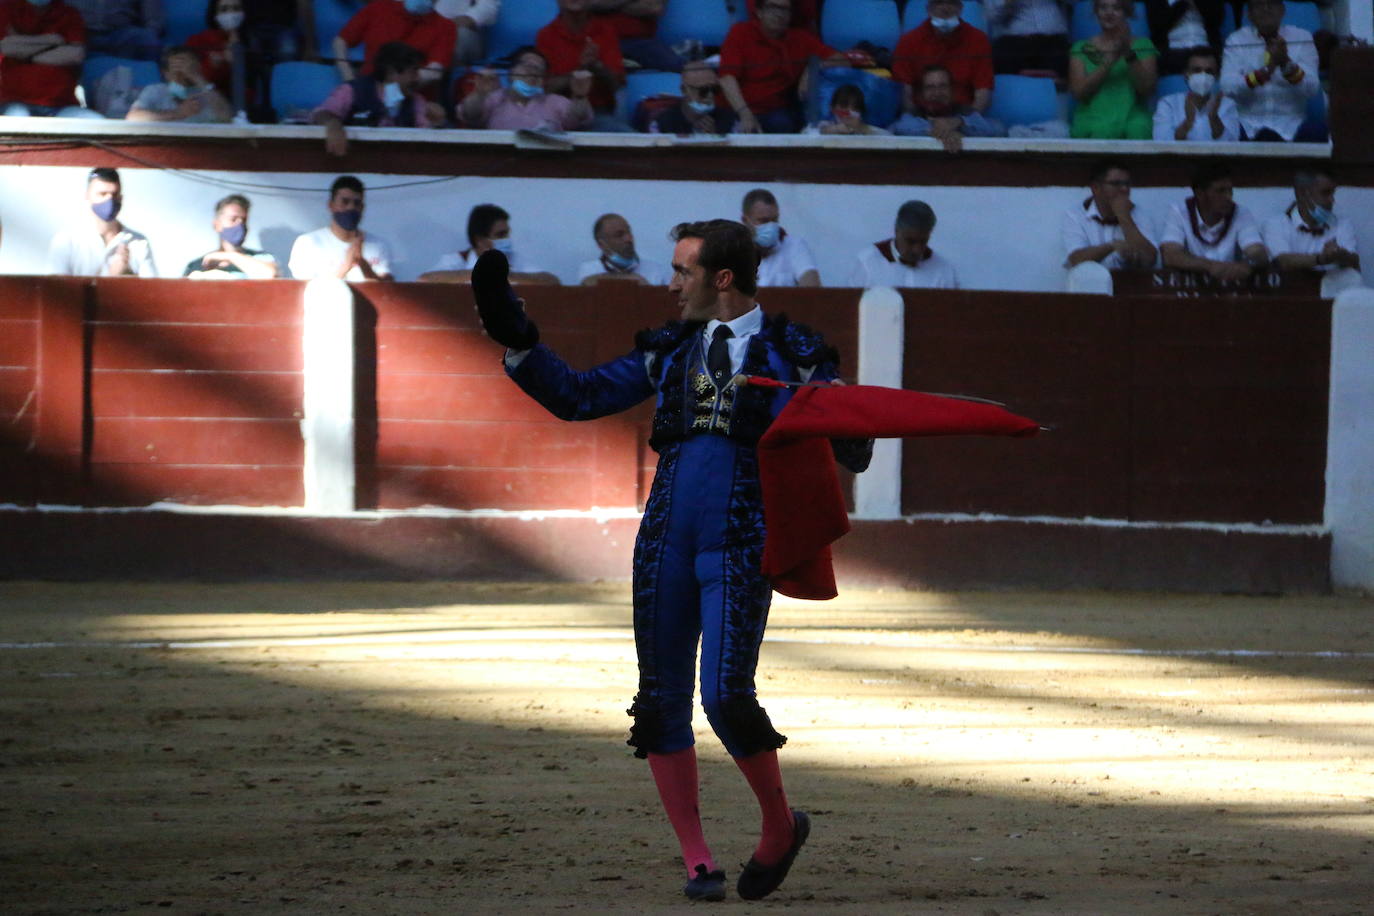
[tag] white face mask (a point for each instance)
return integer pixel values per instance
(1201, 83)
(229, 21)
(945, 25)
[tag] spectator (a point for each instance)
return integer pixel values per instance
(122, 28)
(1177, 27)
(218, 44)
(387, 98)
(40, 59)
(619, 260)
(1201, 113)
(906, 259)
(636, 24)
(102, 246)
(525, 104)
(488, 228)
(1270, 69)
(341, 249)
(761, 67)
(1111, 75)
(232, 260)
(469, 17)
(185, 95)
(847, 111)
(945, 40)
(1029, 35)
(1106, 232)
(806, 14)
(784, 260)
(412, 21)
(936, 114)
(1309, 236)
(1210, 232)
(699, 112)
(576, 41)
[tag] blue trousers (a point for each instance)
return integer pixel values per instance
(697, 576)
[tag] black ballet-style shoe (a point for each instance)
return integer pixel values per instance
(706, 885)
(758, 881)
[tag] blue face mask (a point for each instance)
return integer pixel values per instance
(39, 2)
(348, 220)
(106, 209)
(392, 96)
(526, 90)
(701, 107)
(178, 91)
(766, 235)
(1321, 216)
(234, 235)
(945, 25)
(419, 7)
(621, 261)
(505, 246)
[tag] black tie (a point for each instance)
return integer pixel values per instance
(718, 356)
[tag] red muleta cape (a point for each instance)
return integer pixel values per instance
(803, 505)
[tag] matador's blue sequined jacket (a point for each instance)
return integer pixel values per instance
(670, 362)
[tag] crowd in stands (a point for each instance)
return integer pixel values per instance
(1201, 70)
(1207, 232)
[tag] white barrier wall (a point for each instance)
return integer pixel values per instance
(998, 238)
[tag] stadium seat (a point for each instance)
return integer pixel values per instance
(1083, 23)
(517, 24)
(914, 13)
(330, 18)
(1023, 99)
(1172, 84)
(844, 25)
(298, 86)
(705, 20)
(643, 84)
(184, 19)
(145, 72)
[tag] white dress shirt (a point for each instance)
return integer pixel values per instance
(878, 266)
(1288, 233)
(1172, 111)
(652, 272)
(84, 253)
(1082, 226)
(319, 254)
(1243, 232)
(785, 264)
(743, 327)
(1278, 104)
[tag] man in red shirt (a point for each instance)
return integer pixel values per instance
(43, 47)
(578, 41)
(944, 40)
(761, 67)
(636, 23)
(411, 21)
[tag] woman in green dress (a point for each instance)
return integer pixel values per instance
(1111, 75)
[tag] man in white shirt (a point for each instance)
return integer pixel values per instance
(1309, 236)
(906, 260)
(488, 228)
(341, 249)
(1270, 69)
(1201, 113)
(784, 260)
(1105, 231)
(102, 246)
(1210, 232)
(618, 259)
(470, 16)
